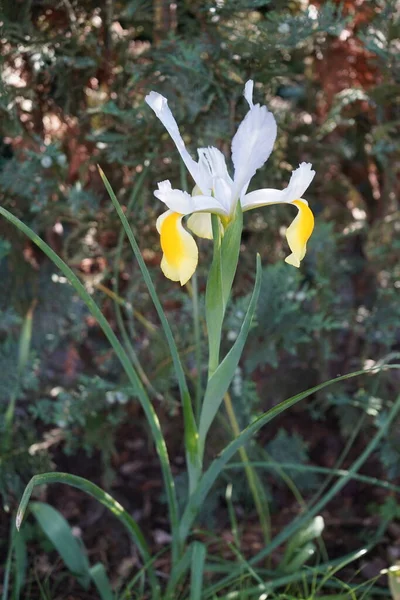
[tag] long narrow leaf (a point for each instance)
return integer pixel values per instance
(220, 279)
(219, 463)
(99, 577)
(21, 561)
(56, 528)
(125, 362)
(191, 437)
(92, 490)
(222, 377)
(196, 580)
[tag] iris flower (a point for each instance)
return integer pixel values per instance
(216, 192)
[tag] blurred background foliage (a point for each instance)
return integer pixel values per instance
(74, 77)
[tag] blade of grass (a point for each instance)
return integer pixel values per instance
(288, 531)
(190, 427)
(197, 571)
(316, 469)
(21, 561)
(318, 506)
(257, 491)
(23, 356)
(125, 362)
(210, 476)
(58, 531)
(117, 308)
(99, 577)
(103, 497)
(271, 584)
(8, 564)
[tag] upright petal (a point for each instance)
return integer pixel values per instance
(248, 92)
(160, 106)
(252, 145)
(180, 254)
(185, 204)
(299, 232)
(215, 161)
(201, 225)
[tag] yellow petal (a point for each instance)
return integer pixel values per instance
(299, 232)
(180, 256)
(201, 225)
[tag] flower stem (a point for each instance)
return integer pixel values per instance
(197, 342)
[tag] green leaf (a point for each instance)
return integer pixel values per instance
(191, 437)
(196, 580)
(23, 355)
(212, 473)
(125, 362)
(56, 528)
(99, 577)
(220, 279)
(219, 382)
(21, 562)
(104, 498)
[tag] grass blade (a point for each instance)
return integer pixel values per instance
(210, 476)
(99, 577)
(197, 572)
(191, 437)
(56, 528)
(23, 355)
(125, 362)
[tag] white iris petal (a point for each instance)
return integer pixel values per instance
(252, 145)
(185, 204)
(160, 106)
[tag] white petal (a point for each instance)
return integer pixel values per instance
(201, 225)
(248, 92)
(184, 204)
(160, 106)
(252, 145)
(261, 198)
(215, 161)
(299, 182)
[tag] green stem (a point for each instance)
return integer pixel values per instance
(197, 342)
(125, 362)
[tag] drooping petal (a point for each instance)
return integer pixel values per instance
(160, 106)
(299, 232)
(185, 204)
(298, 184)
(180, 254)
(252, 145)
(201, 225)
